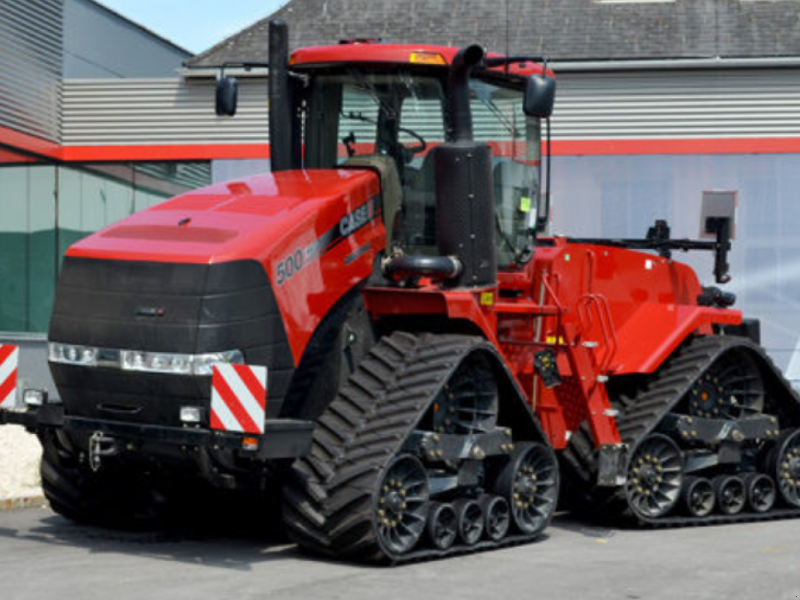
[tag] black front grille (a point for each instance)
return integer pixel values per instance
(163, 307)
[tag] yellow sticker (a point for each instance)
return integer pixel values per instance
(487, 298)
(525, 204)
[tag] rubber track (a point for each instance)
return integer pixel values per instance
(328, 496)
(641, 414)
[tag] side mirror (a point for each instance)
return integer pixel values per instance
(718, 221)
(540, 96)
(227, 96)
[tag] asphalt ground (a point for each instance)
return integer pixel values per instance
(43, 556)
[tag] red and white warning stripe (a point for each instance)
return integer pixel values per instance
(9, 361)
(238, 398)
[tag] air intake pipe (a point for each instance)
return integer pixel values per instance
(460, 113)
(284, 155)
(465, 217)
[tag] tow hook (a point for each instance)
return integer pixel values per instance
(101, 445)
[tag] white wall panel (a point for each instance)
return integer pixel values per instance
(30, 66)
(159, 111)
(590, 106)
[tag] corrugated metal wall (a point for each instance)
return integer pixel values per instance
(634, 105)
(159, 111)
(31, 60)
(678, 104)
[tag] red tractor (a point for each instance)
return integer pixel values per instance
(434, 361)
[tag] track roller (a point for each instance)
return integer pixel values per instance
(469, 516)
(698, 496)
(497, 516)
(761, 492)
(731, 494)
(442, 525)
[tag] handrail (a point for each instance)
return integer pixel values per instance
(600, 303)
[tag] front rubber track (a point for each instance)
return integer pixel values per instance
(328, 496)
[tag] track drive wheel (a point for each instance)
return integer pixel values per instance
(699, 497)
(655, 476)
(732, 388)
(529, 482)
(783, 462)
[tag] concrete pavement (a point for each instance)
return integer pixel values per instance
(43, 556)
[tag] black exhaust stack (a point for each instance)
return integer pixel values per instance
(465, 215)
(285, 149)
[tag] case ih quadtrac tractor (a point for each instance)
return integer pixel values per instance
(436, 364)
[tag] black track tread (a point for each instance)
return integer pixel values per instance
(641, 415)
(328, 494)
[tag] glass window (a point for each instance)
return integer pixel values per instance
(27, 243)
(382, 116)
(498, 119)
(44, 208)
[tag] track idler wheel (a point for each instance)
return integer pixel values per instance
(655, 476)
(699, 497)
(470, 520)
(784, 463)
(402, 504)
(529, 482)
(497, 516)
(761, 492)
(731, 494)
(442, 525)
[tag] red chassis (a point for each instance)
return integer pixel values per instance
(602, 310)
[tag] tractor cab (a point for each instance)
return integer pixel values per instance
(390, 108)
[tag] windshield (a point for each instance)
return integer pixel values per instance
(498, 119)
(393, 122)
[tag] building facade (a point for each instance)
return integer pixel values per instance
(657, 102)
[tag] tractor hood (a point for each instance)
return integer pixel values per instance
(244, 219)
(251, 266)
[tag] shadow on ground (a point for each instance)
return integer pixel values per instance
(219, 534)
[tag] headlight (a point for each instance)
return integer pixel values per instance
(137, 360)
(73, 355)
(178, 364)
(203, 364)
(156, 362)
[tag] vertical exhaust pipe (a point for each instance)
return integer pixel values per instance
(460, 113)
(281, 117)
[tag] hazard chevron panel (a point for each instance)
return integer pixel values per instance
(9, 362)
(238, 398)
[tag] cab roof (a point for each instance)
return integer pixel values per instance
(377, 52)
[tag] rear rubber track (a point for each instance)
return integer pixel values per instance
(640, 414)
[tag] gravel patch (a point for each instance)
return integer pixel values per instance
(20, 453)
